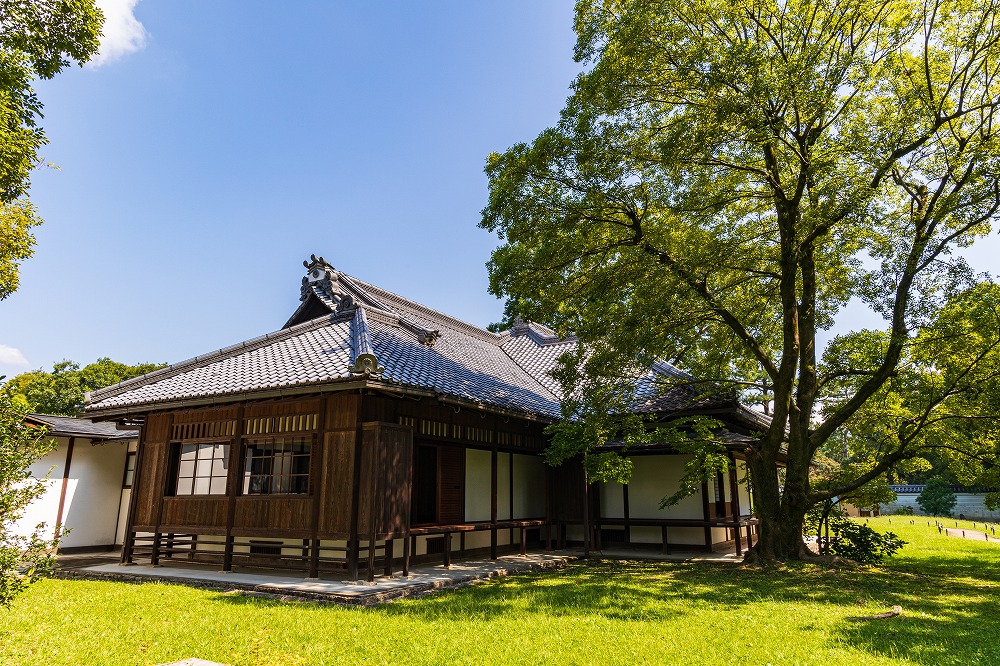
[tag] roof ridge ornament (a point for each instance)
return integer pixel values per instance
(363, 359)
(324, 278)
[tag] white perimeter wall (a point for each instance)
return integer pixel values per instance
(971, 505)
(93, 493)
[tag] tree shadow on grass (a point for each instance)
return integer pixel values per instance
(949, 603)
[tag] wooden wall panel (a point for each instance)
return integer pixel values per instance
(386, 471)
(567, 491)
(342, 411)
(206, 414)
(195, 511)
(150, 493)
(280, 514)
(157, 427)
(337, 479)
(451, 484)
(397, 466)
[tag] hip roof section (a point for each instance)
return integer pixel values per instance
(346, 330)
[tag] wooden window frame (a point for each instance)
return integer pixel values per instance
(304, 460)
(177, 467)
(130, 457)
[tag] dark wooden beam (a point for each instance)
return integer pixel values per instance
(493, 503)
(62, 488)
(353, 545)
(628, 526)
(734, 490)
(707, 515)
(316, 485)
(233, 487)
(128, 542)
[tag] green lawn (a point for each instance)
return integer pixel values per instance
(608, 612)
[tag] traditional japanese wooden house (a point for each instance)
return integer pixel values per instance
(371, 429)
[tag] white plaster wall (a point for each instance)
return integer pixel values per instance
(94, 493)
(655, 477)
(477, 484)
(613, 500)
(503, 487)
(744, 489)
(45, 508)
(529, 486)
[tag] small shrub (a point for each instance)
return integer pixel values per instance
(856, 541)
(903, 511)
(851, 539)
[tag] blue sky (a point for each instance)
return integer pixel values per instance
(218, 144)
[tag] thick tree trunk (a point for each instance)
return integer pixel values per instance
(780, 516)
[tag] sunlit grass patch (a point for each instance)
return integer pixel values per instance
(589, 613)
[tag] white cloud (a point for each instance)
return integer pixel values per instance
(123, 34)
(12, 357)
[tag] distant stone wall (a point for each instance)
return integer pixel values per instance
(969, 504)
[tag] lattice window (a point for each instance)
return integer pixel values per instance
(277, 466)
(479, 435)
(408, 421)
(433, 428)
(129, 469)
(203, 430)
(202, 469)
(267, 425)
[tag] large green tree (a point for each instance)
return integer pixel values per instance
(60, 391)
(726, 176)
(38, 38)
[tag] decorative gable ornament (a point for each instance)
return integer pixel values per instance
(323, 277)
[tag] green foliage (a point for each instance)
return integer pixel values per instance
(23, 559)
(903, 511)
(60, 391)
(38, 38)
(725, 177)
(849, 538)
(599, 408)
(937, 498)
(16, 241)
(943, 402)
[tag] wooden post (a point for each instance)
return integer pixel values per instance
(128, 542)
(318, 453)
(447, 550)
(510, 495)
(406, 555)
(548, 508)
(375, 472)
(628, 527)
(493, 504)
(734, 490)
(353, 543)
(388, 558)
(232, 488)
(154, 558)
(524, 541)
(62, 489)
(704, 504)
(664, 542)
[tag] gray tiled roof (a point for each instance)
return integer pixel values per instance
(375, 336)
(69, 426)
